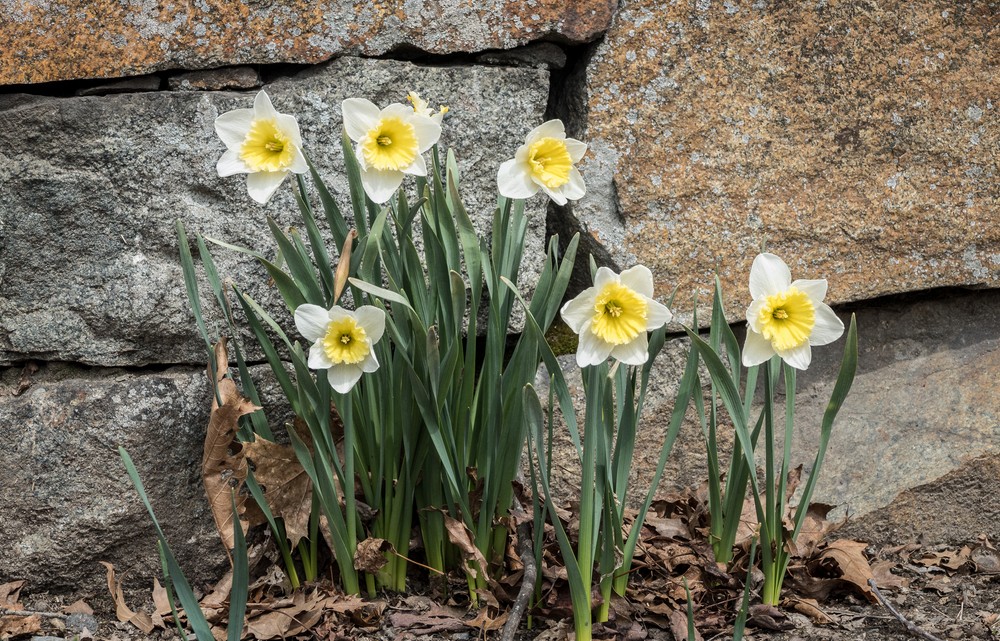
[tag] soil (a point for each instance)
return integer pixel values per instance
(931, 551)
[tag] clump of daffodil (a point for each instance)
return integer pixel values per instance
(421, 107)
(613, 317)
(389, 143)
(545, 161)
(786, 317)
(262, 143)
(342, 341)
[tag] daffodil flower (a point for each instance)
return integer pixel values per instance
(389, 143)
(786, 317)
(421, 107)
(545, 161)
(262, 143)
(613, 316)
(342, 341)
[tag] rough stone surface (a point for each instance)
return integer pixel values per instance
(89, 267)
(68, 502)
(860, 140)
(922, 405)
(46, 42)
(215, 79)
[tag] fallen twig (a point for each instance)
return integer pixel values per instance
(910, 627)
(527, 578)
(6, 612)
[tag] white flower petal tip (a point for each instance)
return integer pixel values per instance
(343, 341)
(389, 142)
(547, 162)
(613, 317)
(786, 318)
(262, 143)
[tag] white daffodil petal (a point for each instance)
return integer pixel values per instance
(261, 185)
(397, 110)
(769, 275)
(514, 181)
(753, 314)
(416, 168)
(299, 164)
(814, 289)
(360, 115)
(576, 149)
(657, 315)
(555, 194)
(318, 358)
(634, 352)
(370, 364)
(578, 311)
(798, 357)
(373, 320)
(290, 127)
(262, 107)
(828, 327)
(311, 321)
(638, 279)
(231, 164)
(233, 126)
(575, 189)
(381, 185)
(591, 350)
(549, 129)
(756, 349)
(343, 377)
(428, 132)
(603, 277)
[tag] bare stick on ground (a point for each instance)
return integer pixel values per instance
(29, 613)
(527, 579)
(910, 627)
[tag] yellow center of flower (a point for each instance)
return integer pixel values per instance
(787, 319)
(549, 162)
(346, 342)
(390, 145)
(619, 314)
(267, 148)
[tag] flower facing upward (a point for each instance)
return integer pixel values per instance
(262, 143)
(342, 341)
(421, 107)
(786, 318)
(613, 316)
(545, 161)
(389, 143)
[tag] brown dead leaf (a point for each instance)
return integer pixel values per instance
(485, 623)
(849, 557)
(948, 559)
(370, 555)
(78, 607)
(768, 617)
(223, 466)
(462, 538)
(160, 599)
(14, 625)
(884, 578)
(287, 487)
(141, 620)
(679, 626)
(810, 608)
(814, 531)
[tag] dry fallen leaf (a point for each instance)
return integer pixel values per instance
(810, 608)
(370, 555)
(884, 578)
(16, 625)
(460, 536)
(223, 466)
(849, 557)
(125, 614)
(287, 487)
(78, 607)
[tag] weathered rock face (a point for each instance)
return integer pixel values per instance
(91, 189)
(68, 502)
(45, 42)
(860, 141)
(923, 403)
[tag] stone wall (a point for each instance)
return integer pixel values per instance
(861, 141)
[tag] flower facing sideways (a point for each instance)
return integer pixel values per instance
(545, 161)
(389, 143)
(613, 316)
(342, 341)
(262, 143)
(786, 317)
(421, 107)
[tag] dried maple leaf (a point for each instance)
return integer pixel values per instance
(124, 613)
(287, 487)
(223, 466)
